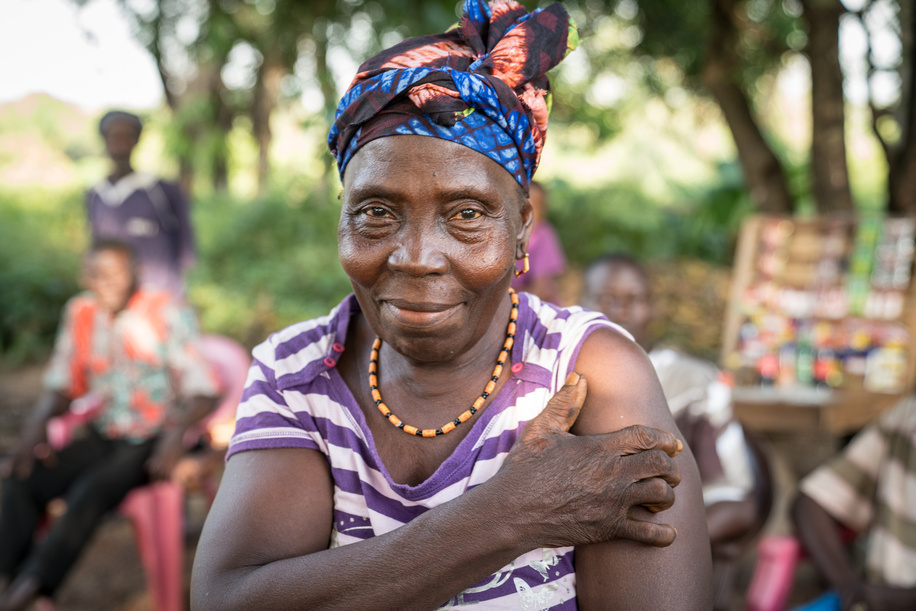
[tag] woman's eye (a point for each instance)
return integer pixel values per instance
(469, 214)
(376, 211)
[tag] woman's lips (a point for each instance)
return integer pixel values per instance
(419, 314)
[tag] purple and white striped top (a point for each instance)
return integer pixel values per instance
(295, 398)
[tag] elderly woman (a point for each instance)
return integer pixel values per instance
(438, 440)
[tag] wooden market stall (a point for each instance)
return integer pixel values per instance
(820, 330)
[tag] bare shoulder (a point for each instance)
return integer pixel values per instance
(622, 386)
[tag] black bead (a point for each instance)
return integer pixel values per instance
(500, 362)
(373, 387)
(495, 378)
(439, 432)
(419, 433)
(400, 425)
(473, 410)
(512, 335)
(456, 421)
(484, 394)
(378, 402)
(388, 415)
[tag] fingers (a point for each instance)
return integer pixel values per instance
(653, 494)
(652, 464)
(650, 533)
(638, 438)
(564, 407)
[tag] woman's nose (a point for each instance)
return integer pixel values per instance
(419, 254)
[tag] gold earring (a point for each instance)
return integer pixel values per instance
(525, 267)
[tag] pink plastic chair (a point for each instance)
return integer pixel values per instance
(774, 573)
(156, 511)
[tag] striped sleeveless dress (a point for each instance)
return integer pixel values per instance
(295, 398)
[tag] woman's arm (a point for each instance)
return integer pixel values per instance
(623, 391)
(265, 541)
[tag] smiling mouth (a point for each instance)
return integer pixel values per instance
(422, 314)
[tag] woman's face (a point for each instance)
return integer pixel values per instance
(429, 234)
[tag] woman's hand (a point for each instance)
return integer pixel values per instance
(571, 490)
(169, 449)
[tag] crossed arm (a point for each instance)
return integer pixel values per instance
(265, 544)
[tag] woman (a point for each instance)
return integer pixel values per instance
(368, 470)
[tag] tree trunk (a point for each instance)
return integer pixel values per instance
(265, 98)
(902, 156)
(329, 92)
(763, 172)
(830, 175)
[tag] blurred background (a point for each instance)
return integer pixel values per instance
(672, 119)
(672, 123)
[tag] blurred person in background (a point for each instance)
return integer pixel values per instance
(148, 213)
(699, 399)
(545, 253)
(870, 489)
(133, 355)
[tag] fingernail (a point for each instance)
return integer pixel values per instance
(680, 446)
(572, 379)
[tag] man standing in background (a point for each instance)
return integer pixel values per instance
(148, 213)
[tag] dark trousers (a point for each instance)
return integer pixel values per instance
(93, 474)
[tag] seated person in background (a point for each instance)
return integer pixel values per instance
(148, 213)
(135, 354)
(700, 401)
(870, 488)
(545, 257)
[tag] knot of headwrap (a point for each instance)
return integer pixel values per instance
(482, 84)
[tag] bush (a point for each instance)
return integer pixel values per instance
(41, 238)
(265, 264)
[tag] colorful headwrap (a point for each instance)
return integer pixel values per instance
(481, 84)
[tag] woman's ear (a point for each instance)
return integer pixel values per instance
(524, 232)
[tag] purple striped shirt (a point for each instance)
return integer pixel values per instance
(295, 398)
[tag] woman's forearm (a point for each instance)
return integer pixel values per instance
(417, 566)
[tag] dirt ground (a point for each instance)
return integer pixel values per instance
(109, 575)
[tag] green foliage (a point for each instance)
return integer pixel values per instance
(41, 237)
(265, 264)
(703, 224)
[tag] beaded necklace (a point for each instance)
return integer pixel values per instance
(478, 403)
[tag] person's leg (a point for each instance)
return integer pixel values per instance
(23, 500)
(92, 495)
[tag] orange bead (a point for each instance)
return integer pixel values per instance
(490, 387)
(376, 395)
(479, 402)
(509, 343)
(511, 330)
(410, 430)
(497, 371)
(383, 408)
(394, 420)
(448, 427)
(429, 432)
(464, 417)
(372, 368)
